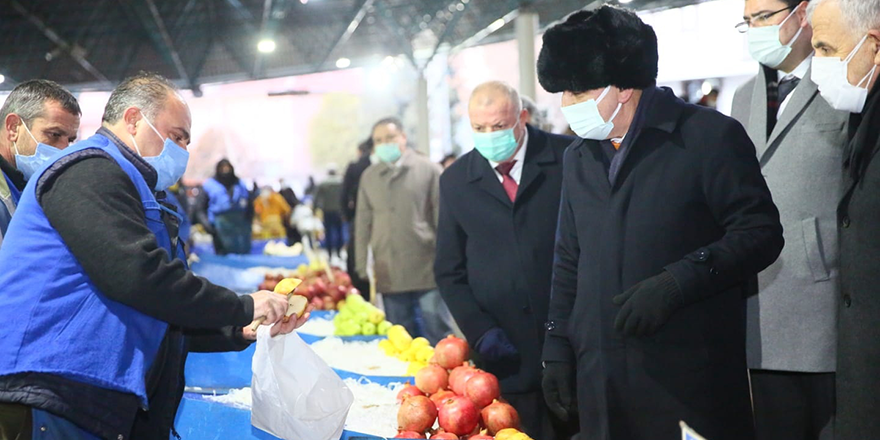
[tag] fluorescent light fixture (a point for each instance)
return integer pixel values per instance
(497, 24)
(266, 46)
(623, 2)
(342, 63)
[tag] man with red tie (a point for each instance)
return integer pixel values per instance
(498, 207)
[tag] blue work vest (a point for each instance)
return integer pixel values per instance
(56, 321)
(219, 200)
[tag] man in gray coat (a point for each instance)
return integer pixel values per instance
(792, 325)
(397, 211)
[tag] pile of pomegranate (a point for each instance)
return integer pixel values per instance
(465, 401)
(323, 294)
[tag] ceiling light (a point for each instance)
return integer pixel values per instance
(497, 24)
(266, 46)
(342, 63)
(303, 1)
(623, 2)
(2, 78)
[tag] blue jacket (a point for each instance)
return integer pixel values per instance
(221, 200)
(63, 325)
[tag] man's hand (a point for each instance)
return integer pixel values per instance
(495, 346)
(283, 328)
(647, 305)
(558, 384)
(269, 304)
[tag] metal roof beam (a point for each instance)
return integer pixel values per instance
(450, 27)
(264, 24)
(168, 42)
(358, 14)
(75, 51)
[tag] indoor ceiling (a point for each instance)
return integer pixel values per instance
(93, 44)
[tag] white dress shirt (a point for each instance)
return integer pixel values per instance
(520, 157)
(799, 72)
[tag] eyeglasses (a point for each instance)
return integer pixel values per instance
(758, 21)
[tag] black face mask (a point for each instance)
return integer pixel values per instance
(227, 178)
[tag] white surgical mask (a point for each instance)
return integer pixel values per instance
(764, 44)
(830, 74)
(586, 121)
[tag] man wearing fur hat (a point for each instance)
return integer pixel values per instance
(665, 219)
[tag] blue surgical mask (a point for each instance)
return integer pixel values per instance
(388, 153)
(586, 121)
(28, 165)
(170, 164)
(496, 146)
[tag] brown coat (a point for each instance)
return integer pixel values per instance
(397, 211)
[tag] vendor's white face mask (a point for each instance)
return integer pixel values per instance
(830, 74)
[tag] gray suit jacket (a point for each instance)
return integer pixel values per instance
(792, 322)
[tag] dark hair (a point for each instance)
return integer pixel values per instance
(592, 49)
(146, 91)
(793, 3)
(366, 146)
(387, 120)
(448, 157)
(28, 100)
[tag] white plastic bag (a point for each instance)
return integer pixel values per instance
(296, 395)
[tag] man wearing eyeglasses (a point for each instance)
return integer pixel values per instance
(791, 326)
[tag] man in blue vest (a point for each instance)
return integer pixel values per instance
(100, 306)
(39, 118)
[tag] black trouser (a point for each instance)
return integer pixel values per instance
(793, 406)
(536, 419)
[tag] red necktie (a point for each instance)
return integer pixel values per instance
(510, 185)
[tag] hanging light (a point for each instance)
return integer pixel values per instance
(342, 63)
(266, 46)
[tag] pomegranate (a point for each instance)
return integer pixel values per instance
(459, 416)
(459, 377)
(329, 304)
(482, 388)
(417, 414)
(320, 287)
(343, 279)
(409, 434)
(481, 436)
(440, 397)
(451, 352)
(432, 379)
(444, 435)
(498, 416)
(408, 391)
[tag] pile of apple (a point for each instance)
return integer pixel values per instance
(323, 291)
(464, 401)
(358, 317)
(401, 345)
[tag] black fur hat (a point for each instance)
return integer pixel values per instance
(592, 49)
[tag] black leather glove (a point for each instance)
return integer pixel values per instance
(647, 305)
(558, 385)
(494, 346)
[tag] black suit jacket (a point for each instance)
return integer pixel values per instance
(350, 184)
(494, 257)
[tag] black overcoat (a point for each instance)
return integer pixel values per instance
(689, 199)
(494, 257)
